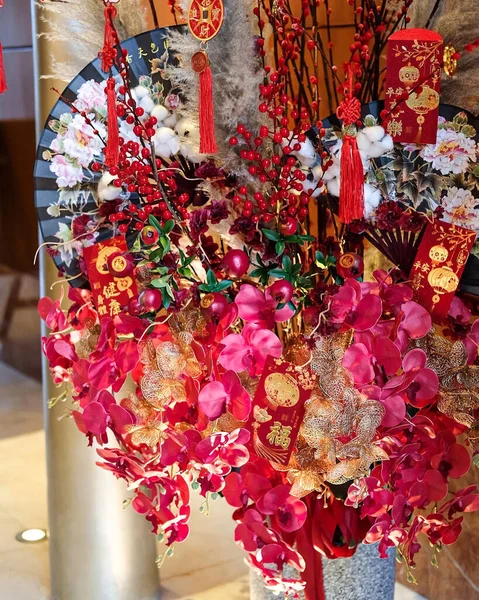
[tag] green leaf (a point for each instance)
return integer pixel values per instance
(154, 221)
(271, 235)
(287, 264)
(257, 272)
(222, 285)
(306, 238)
(204, 287)
(156, 255)
(136, 244)
(211, 278)
(166, 300)
(280, 245)
(168, 226)
(185, 272)
(279, 273)
(165, 243)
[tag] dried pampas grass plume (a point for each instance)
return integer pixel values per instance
(77, 25)
(236, 71)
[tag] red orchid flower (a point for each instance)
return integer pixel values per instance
(371, 356)
(61, 356)
(290, 512)
(249, 350)
(52, 314)
(256, 307)
(102, 413)
(239, 490)
(228, 394)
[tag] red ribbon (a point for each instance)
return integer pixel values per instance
(3, 82)
(206, 113)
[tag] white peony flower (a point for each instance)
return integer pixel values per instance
(451, 153)
(166, 142)
(68, 174)
(91, 97)
(80, 143)
(461, 208)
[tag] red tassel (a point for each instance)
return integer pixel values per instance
(108, 53)
(351, 193)
(3, 81)
(206, 116)
(112, 149)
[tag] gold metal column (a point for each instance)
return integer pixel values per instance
(98, 550)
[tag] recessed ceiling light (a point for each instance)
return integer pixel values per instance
(31, 536)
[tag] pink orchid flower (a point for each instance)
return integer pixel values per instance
(229, 448)
(415, 322)
(256, 307)
(354, 308)
(371, 355)
(228, 394)
(248, 351)
(289, 511)
(419, 383)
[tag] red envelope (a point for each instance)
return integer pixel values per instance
(439, 263)
(278, 409)
(111, 293)
(412, 86)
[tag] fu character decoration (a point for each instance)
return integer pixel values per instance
(205, 18)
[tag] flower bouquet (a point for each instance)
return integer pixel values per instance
(223, 342)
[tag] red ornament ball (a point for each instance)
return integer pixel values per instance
(350, 265)
(120, 265)
(151, 300)
(237, 262)
(282, 291)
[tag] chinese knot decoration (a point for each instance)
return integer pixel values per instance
(205, 18)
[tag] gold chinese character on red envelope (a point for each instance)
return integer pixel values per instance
(111, 293)
(438, 266)
(278, 409)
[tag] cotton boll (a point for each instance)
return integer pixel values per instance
(306, 154)
(142, 98)
(186, 128)
(190, 152)
(170, 121)
(372, 198)
(166, 142)
(147, 104)
(105, 190)
(160, 113)
(333, 187)
(139, 92)
(374, 133)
